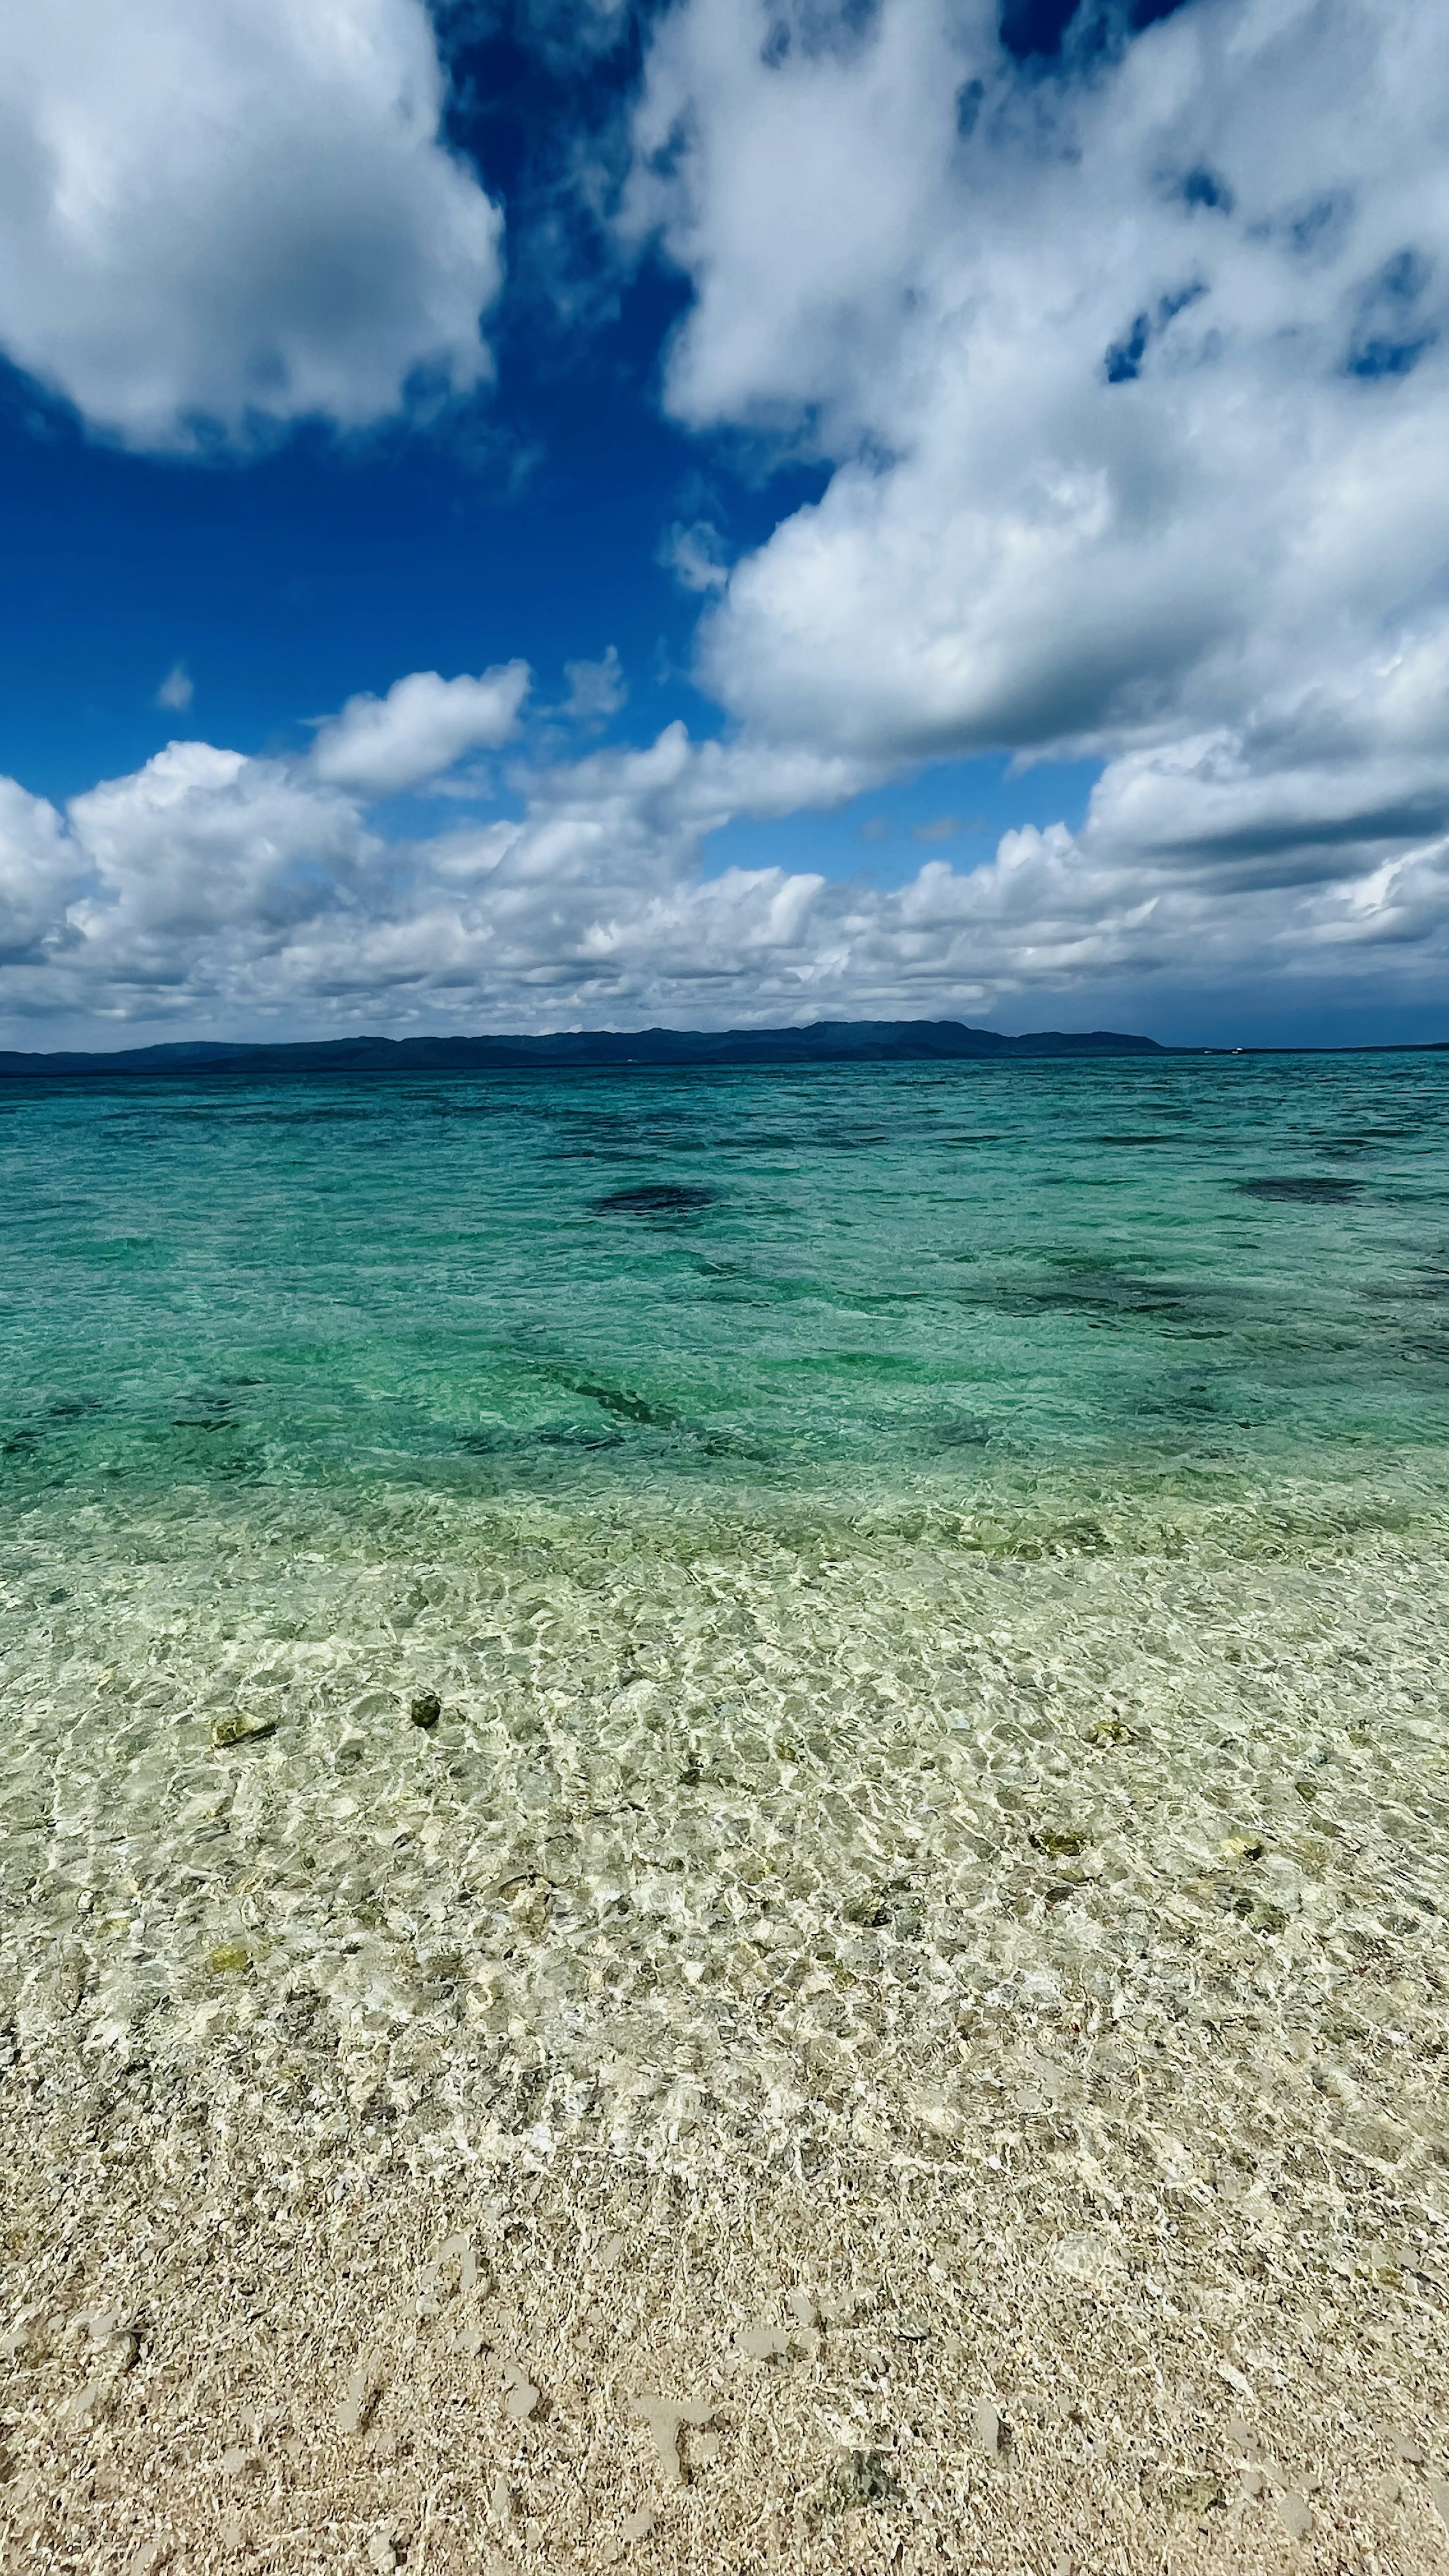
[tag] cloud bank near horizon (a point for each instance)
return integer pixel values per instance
(212, 891)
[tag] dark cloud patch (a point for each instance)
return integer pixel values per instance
(1202, 187)
(1037, 31)
(1393, 328)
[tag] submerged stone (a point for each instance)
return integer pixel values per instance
(1198, 2493)
(654, 1199)
(229, 1958)
(859, 2478)
(1306, 1189)
(426, 1709)
(1109, 1731)
(241, 1726)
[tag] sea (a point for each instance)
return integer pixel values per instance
(725, 1613)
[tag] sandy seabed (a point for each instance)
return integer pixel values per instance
(903, 2056)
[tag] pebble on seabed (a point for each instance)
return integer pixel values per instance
(240, 1727)
(425, 1709)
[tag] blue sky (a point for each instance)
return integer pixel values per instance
(968, 491)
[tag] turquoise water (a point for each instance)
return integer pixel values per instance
(853, 1286)
(916, 1564)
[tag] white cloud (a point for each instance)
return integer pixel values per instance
(40, 871)
(597, 690)
(221, 216)
(1134, 385)
(380, 746)
(695, 556)
(177, 689)
(202, 846)
(1130, 392)
(212, 892)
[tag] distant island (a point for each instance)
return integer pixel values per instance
(823, 1042)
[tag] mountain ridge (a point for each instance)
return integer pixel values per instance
(819, 1042)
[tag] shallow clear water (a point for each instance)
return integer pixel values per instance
(894, 1281)
(911, 1558)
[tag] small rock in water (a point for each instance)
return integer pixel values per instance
(1241, 1847)
(1195, 2493)
(1059, 1844)
(859, 2478)
(988, 2428)
(149, 2558)
(229, 1958)
(425, 1709)
(240, 1726)
(1294, 2515)
(1109, 1731)
(361, 2397)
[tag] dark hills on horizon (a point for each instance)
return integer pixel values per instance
(822, 1042)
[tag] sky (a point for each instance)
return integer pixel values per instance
(532, 514)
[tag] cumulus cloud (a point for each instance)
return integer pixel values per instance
(41, 870)
(380, 746)
(1128, 384)
(221, 216)
(212, 889)
(1133, 386)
